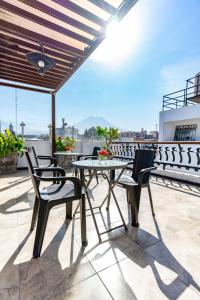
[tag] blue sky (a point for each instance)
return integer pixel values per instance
(160, 49)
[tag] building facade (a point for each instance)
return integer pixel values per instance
(180, 118)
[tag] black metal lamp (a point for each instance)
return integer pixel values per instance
(40, 61)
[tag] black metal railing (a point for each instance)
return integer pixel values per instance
(183, 97)
(183, 156)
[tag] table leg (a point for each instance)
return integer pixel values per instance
(89, 202)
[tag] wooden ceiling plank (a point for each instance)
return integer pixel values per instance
(58, 15)
(35, 75)
(104, 6)
(34, 18)
(38, 38)
(33, 47)
(23, 63)
(17, 67)
(32, 78)
(80, 11)
(21, 53)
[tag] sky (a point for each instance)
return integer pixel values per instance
(151, 52)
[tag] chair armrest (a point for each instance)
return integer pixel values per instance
(62, 179)
(90, 157)
(58, 170)
(144, 172)
(47, 157)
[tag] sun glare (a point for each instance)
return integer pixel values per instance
(122, 40)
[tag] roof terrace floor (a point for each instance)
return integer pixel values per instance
(159, 260)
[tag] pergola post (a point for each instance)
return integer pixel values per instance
(53, 122)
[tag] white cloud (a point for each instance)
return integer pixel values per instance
(174, 76)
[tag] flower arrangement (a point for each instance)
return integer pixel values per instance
(66, 144)
(10, 144)
(103, 154)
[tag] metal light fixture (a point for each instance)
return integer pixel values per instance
(40, 61)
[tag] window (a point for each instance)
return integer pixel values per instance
(185, 132)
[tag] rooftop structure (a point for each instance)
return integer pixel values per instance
(180, 117)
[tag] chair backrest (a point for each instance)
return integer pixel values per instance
(35, 156)
(95, 151)
(31, 172)
(143, 159)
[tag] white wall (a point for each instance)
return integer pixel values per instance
(44, 148)
(168, 120)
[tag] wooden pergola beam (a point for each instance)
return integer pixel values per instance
(27, 71)
(21, 53)
(22, 87)
(24, 74)
(104, 6)
(27, 81)
(24, 63)
(61, 16)
(34, 18)
(36, 37)
(80, 11)
(11, 40)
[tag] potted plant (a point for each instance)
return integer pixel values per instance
(109, 134)
(66, 144)
(10, 147)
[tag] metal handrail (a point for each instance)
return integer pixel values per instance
(183, 99)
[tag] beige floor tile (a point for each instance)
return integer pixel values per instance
(139, 277)
(91, 288)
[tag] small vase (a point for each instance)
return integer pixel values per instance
(102, 157)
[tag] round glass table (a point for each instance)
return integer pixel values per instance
(102, 166)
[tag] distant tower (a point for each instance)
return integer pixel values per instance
(22, 124)
(64, 124)
(50, 129)
(11, 128)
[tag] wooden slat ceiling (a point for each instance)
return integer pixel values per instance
(70, 31)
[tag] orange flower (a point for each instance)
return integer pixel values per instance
(67, 148)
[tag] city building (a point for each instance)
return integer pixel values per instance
(11, 128)
(143, 135)
(67, 131)
(180, 118)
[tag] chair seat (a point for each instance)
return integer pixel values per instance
(126, 181)
(57, 191)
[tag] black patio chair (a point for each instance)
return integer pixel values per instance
(50, 196)
(50, 159)
(92, 156)
(142, 167)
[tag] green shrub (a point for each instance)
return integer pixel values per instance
(10, 144)
(109, 134)
(66, 144)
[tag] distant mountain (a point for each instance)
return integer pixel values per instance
(92, 122)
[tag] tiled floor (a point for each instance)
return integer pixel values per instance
(160, 260)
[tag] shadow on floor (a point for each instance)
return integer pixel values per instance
(44, 277)
(25, 197)
(15, 183)
(177, 186)
(173, 290)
